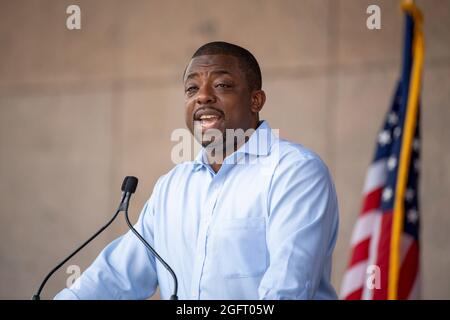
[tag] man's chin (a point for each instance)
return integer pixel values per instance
(211, 144)
(212, 139)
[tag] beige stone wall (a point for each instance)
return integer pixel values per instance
(81, 109)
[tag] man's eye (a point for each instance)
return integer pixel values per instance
(191, 89)
(222, 85)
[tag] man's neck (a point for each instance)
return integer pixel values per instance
(216, 161)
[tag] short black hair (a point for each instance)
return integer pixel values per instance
(247, 62)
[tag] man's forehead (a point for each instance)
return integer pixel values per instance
(205, 63)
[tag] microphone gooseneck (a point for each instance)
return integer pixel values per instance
(37, 295)
(130, 188)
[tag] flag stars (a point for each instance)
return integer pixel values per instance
(392, 118)
(392, 163)
(397, 132)
(412, 216)
(409, 194)
(387, 194)
(416, 145)
(417, 165)
(384, 138)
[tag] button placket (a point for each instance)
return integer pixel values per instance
(207, 215)
(202, 241)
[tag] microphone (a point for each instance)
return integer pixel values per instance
(36, 296)
(129, 188)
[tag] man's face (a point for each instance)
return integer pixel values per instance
(217, 96)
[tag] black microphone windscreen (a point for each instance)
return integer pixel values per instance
(124, 183)
(131, 184)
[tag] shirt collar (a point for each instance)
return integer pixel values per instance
(259, 144)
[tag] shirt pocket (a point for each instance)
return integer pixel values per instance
(240, 246)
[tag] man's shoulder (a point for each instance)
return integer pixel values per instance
(297, 162)
(291, 153)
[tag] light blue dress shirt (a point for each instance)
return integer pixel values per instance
(263, 227)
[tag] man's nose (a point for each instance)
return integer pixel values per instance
(205, 95)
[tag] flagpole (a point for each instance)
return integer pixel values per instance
(405, 153)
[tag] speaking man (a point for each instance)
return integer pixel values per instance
(252, 217)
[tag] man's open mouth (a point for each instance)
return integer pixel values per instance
(208, 118)
(209, 121)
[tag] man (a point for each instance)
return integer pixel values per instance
(252, 217)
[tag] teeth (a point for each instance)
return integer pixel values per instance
(207, 117)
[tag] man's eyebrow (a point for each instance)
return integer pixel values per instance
(220, 72)
(215, 72)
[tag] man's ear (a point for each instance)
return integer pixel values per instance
(258, 100)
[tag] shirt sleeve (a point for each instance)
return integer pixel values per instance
(123, 270)
(301, 231)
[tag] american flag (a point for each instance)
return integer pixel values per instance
(384, 262)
